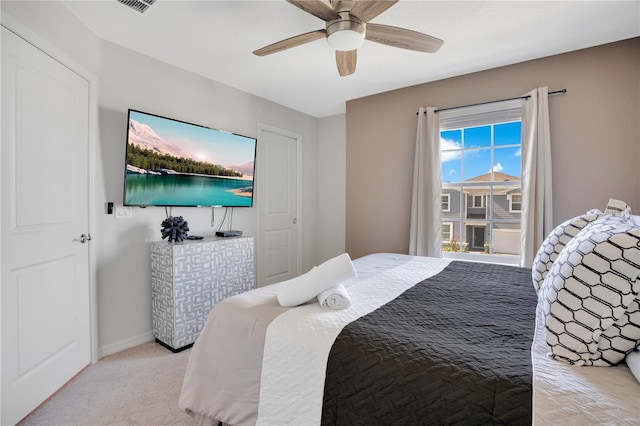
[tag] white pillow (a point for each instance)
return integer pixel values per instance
(590, 295)
(555, 242)
(563, 233)
(618, 208)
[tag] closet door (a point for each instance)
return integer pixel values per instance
(278, 197)
(44, 209)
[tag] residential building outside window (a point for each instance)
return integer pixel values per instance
(481, 178)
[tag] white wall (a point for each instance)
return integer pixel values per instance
(130, 80)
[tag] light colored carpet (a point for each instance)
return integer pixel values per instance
(138, 386)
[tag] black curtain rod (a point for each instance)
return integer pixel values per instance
(493, 102)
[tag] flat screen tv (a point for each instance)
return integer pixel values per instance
(175, 163)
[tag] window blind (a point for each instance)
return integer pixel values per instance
(481, 115)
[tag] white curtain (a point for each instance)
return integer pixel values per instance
(537, 198)
(425, 238)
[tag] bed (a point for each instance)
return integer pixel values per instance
(425, 341)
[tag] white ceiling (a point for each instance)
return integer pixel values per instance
(216, 39)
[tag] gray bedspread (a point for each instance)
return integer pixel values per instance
(453, 349)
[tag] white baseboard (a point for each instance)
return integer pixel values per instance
(125, 344)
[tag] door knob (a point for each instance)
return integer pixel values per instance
(84, 238)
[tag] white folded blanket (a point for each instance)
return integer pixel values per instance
(633, 361)
(335, 298)
(329, 274)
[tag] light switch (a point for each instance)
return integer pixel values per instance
(123, 212)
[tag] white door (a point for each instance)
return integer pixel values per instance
(277, 254)
(45, 305)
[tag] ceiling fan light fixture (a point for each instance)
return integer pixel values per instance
(345, 34)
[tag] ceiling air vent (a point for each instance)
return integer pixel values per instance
(139, 5)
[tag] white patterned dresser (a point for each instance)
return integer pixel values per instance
(189, 278)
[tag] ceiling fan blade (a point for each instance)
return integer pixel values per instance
(403, 38)
(317, 8)
(346, 61)
(366, 10)
(291, 42)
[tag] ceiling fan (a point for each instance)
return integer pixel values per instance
(347, 26)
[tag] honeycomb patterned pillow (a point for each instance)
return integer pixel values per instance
(617, 207)
(590, 297)
(555, 242)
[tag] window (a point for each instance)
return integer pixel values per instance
(446, 203)
(515, 203)
(480, 154)
(447, 232)
(478, 201)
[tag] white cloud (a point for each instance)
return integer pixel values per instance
(452, 172)
(497, 168)
(447, 144)
(518, 153)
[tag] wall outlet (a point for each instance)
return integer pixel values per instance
(123, 212)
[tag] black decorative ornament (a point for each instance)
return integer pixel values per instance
(174, 228)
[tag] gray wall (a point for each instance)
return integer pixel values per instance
(595, 138)
(331, 179)
(129, 80)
